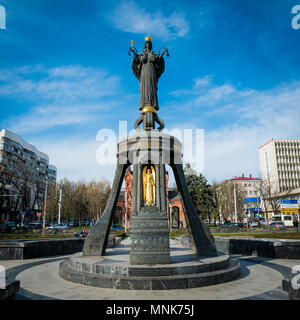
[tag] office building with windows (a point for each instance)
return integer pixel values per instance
(280, 164)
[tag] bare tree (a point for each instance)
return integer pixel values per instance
(225, 195)
(218, 199)
(97, 194)
(82, 200)
(271, 197)
(52, 201)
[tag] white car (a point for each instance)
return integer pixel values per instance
(254, 224)
(263, 221)
(60, 226)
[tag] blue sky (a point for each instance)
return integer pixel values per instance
(233, 71)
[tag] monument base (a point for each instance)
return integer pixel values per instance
(114, 271)
(149, 236)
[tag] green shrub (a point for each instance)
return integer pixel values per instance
(177, 233)
(120, 233)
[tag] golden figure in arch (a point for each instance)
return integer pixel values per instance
(149, 185)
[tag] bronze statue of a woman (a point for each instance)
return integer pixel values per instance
(148, 67)
(149, 185)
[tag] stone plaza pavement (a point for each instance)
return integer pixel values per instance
(260, 279)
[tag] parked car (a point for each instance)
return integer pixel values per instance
(34, 225)
(232, 225)
(240, 225)
(7, 226)
(71, 223)
(116, 227)
(11, 223)
(20, 227)
(277, 224)
(263, 221)
(254, 224)
(59, 227)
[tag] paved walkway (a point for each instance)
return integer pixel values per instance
(260, 278)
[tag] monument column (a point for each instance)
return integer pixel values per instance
(149, 150)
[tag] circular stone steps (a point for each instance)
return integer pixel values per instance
(185, 271)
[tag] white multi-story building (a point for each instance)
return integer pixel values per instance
(280, 164)
(250, 187)
(23, 173)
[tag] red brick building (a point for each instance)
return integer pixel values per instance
(173, 203)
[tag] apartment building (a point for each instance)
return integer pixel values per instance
(250, 187)
(280, 164)
(23, 174)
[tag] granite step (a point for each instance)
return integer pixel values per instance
(146, 282)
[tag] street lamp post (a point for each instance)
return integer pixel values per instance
(220, 199)
(258, 209)
(59, 205)
(45, 206)
(234, 194)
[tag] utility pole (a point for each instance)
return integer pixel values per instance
(262, 202)
(234, 194)
(59, 205)
(45, 205)
(257, 202)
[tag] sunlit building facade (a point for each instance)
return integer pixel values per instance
(24, 172)
(280, 164)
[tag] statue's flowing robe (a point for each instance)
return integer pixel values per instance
(149, 191)
(148, 67)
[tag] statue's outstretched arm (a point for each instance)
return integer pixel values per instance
(162, 54)
(134, 52)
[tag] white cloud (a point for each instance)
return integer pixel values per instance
(204, 81)
(244, 119)
(197, 88)
(43, 118)
(230, 148)
(60, 84)
(75, 158)
(129, 17)
(65, 95)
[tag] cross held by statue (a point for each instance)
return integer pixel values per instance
(132, 42)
